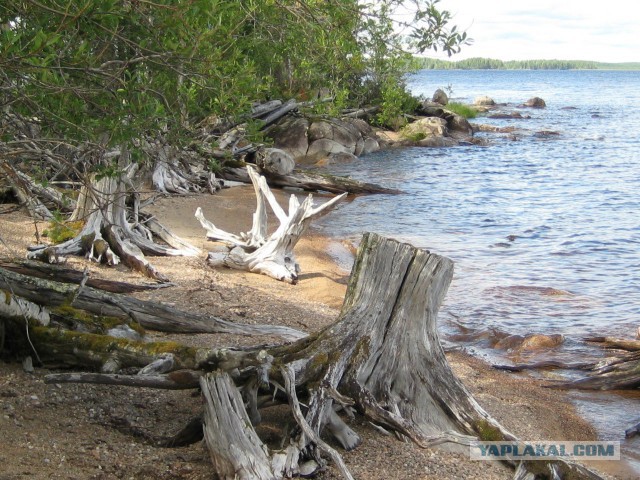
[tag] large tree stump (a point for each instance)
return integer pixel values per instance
(382, 356)
(254, 251)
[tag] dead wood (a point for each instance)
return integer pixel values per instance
(110, 232)
(382, 356)
(310, 181)
(151, 315)
(69, 275)
(254, 251)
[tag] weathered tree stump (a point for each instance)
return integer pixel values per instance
(108, 235)
(381, 358)
(253, 251)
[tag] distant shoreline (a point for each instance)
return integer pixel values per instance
(480, 63)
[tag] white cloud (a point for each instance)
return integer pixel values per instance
(533, 29)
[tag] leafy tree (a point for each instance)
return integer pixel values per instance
(109, 71)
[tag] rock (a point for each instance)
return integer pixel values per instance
(546, 134)
(437, 142)
(535, 102)
(124, 331)
(291, 136)
(428, 110)
(370, 145)
(504, 115)
(275, 160)
(534, 341)
(341, 157)
(339, 131)
(458, 123)
(440, 97)
(323, 148)
(484, 100)
(425, 127)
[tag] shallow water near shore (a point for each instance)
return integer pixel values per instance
(544, 229)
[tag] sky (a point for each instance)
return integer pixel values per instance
(604, 31)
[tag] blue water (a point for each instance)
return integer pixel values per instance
(523, 216)
(544, 231)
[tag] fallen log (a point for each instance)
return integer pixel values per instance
(254, 251)
(151, 315)
(619, 373)
(308, 181)
(69, 275)
(616, 343)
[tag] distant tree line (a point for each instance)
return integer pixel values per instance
(478, 63)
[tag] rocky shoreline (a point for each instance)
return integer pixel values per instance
(80, 431)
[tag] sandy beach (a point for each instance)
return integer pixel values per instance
(76, 431)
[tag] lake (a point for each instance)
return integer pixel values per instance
(544, 230)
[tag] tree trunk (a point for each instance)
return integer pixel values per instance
(311, 181)
(383, 356)
(152, 315)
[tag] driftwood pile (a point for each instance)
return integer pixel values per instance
(381, 359)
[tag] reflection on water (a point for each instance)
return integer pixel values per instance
(544, 231)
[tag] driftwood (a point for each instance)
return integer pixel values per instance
(254, 251)
(69, 275)
(152, 315)
(310, 181)
(618, 372)
(34, 196)
(108, 235)
(382, 358)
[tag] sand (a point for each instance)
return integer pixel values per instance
(76, 431)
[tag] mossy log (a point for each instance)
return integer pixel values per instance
(151, 315)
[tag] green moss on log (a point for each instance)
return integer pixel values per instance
(487, 432)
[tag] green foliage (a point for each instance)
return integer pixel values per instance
(215, 166)
(396, 101)
(461, 109)
(416, 137)
(108, 72)
(60, 231)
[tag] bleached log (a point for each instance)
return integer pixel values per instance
(312, 182)
(13, 307)
(34, 196)
(234, 447)
(253, 251)
(177, 380)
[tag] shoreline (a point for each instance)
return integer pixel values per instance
(519, 402)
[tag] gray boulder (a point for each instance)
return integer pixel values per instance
(535, 102)
(440, 97)
(291, 136)
(457, 123)
(484, 100)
